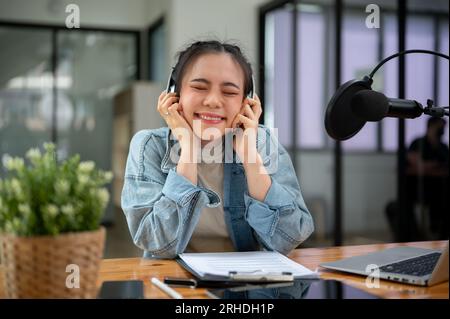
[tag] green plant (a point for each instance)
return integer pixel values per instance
(48, 198)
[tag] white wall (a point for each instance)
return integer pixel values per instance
(154, 9)
(98, 13)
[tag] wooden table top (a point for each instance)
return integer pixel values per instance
(144, 269)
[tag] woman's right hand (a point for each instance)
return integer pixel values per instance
(170, 108)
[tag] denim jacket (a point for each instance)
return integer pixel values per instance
(162, 207)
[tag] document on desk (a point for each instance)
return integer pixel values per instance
(209, 265)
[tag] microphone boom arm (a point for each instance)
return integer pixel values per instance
(404, 53)
(430, 109)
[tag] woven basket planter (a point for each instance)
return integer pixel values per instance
(37, 267)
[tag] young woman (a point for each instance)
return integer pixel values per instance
(198, 201)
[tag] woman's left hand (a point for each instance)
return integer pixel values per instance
(244, 143)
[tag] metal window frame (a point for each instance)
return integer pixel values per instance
(55, 28)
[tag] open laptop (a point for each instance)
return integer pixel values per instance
(412, 265)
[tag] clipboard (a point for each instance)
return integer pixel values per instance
(250, 267)
(240, 277)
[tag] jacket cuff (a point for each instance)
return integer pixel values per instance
(260, 216)
(277, 196)
(181, 190)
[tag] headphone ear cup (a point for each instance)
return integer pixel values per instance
(171, 83)
(251, 93)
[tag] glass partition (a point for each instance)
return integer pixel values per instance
(26, 83)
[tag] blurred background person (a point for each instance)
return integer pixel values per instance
(427, 177)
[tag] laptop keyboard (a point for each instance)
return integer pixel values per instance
(418, 266)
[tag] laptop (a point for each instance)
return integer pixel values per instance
(410, 265)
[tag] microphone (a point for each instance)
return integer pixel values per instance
(374, 106)
(340, 121)
(355, 103)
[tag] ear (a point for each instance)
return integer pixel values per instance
(180, 110)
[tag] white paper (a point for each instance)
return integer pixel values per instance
(221, 264)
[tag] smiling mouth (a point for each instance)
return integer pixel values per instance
(213, 118)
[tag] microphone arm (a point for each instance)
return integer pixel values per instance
(430, 109)
(404, 53)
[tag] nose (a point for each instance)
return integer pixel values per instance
(213, 100)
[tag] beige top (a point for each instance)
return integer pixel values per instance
(211, 234)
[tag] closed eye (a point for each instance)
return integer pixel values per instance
(200, 88)
(230, 93)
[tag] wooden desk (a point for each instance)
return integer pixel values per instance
(143, 269)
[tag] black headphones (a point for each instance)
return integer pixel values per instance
(171, 85)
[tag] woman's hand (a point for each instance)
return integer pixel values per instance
(258, 180)
(244, 143)
(172, 112)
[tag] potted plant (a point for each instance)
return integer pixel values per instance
(51, 241)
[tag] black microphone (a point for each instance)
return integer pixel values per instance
(340, 122)
(374, 106)
(355, 103)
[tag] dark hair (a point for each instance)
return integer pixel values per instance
(198, 48)
(434, 120)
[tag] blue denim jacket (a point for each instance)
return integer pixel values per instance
(162, 207)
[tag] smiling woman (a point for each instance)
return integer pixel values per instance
(212, 205)
(208, 85)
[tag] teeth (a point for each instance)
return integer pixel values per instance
(210, 118)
